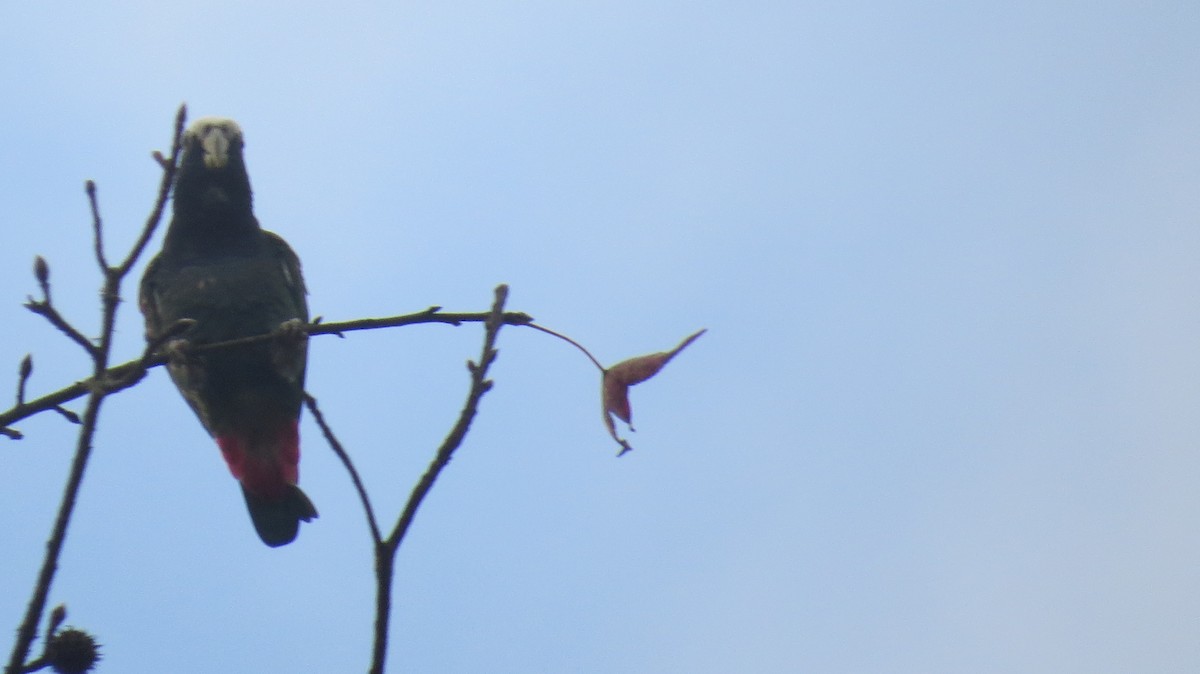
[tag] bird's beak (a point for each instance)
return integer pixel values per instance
(216, 148)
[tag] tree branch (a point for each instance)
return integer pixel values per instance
(480, 385)
(164, 190)
(97, 226)
(100, 353)
(46, 310)
(127, 374)
(385, 550)
(570, 341)
(311, 402)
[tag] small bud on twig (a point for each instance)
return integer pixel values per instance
(41, 270)
(57, 616)
(25, 371)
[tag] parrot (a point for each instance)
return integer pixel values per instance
(219, 277)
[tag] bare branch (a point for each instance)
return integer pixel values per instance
(100, 353)
(311, 402)
(47, 311)
(83, 446)
(164, 191)
(574, 343)
(46, 402)
(127, 374)
(97, 226)
(479, 386)
(36, 665)
(45, 308)
(68, 414)
(385, 551)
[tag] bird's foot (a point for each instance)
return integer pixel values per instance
(179, 351)
(291, 330)
(288, 350)
(183, 362)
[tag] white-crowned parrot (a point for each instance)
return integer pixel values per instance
(233, 279)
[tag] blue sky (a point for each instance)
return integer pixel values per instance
(944, 418)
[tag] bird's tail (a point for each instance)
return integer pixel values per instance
(277, 520)
(266, 463)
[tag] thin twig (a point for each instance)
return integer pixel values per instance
(41, 591)
(431, 315)
(68, 414)
(48, 401)
(46, 310)
(35, 665)
(567, 339)
(164, 189)
(97, 225)
(479, 386)
(311, 402)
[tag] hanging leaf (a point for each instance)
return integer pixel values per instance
(618, 378)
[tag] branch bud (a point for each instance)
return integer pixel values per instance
(41, 270)
(57, 616)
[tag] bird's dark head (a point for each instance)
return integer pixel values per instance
(212, 174)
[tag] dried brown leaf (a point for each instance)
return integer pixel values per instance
(618, 378)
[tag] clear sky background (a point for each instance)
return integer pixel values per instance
(945, 418)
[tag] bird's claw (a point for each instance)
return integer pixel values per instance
(288, 351)
(178, 350)
(291, 332)
(293, 328)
